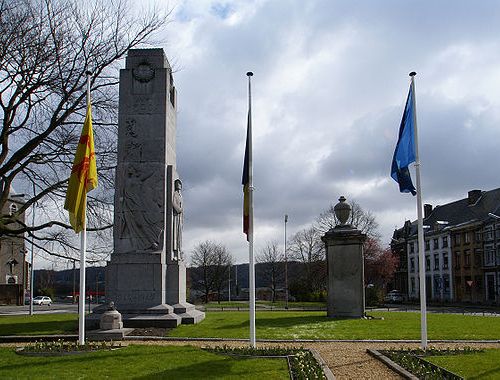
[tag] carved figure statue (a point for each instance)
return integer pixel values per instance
(177, 221)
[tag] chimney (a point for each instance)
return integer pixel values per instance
(427, 210)
(474, 196)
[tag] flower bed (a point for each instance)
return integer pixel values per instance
(413, 360)
(301, 362)
(62, 347)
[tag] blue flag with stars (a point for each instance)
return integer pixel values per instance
(404, 154)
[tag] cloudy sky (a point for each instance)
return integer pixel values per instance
(331, 79)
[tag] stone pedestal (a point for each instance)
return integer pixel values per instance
(344, 255)
(111, 326)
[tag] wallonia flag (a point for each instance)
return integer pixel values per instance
(245, 180)
(83, 175)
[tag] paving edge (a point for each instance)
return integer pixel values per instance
(392, 365)
(326, 370)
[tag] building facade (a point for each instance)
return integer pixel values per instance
(462, 251)
(14, 271)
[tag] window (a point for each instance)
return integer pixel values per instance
(457, 239)
(489, 256)
(479, 236)
(412, 264)
(467, 237)
(445, 241)
(427, 245)
(467, 258)
(412, 285)
(412, 247)
(478, 282)
(445, 260)
(436, 262)
(437, 284)
(12, 208)
(457, 260)
(488, 234)
(427, 263)
(446, 284)
(477, 257)
(436, 244)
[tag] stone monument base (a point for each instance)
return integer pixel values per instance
(188, 313)
(163, 315)
(114, 334)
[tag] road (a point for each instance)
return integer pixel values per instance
(55, 308)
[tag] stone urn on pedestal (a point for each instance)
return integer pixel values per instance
(344, 256)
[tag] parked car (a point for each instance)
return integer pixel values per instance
(42, 300)
(394, 296)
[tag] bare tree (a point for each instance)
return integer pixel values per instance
(272, 266)
(361, 219)
(46, 47)
(307, 248)
(211, 262)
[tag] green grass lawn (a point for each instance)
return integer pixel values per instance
(141, 362)
(482, 365)
(39, 324)
(315, 325)
(288, 325)
(263, 304)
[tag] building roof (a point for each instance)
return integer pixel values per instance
(472, 209)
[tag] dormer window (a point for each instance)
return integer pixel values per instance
(12, 209)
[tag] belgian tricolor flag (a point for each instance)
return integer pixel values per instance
(245, 181)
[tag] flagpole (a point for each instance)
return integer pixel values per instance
(83, 249)
(421, 245)
(250, 217)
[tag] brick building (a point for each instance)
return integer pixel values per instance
(14, 271)
(462, 250)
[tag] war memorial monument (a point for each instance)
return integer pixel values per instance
(146, 275)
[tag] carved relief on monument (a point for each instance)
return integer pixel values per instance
(144, 72)
(132, 149)
(141, 217)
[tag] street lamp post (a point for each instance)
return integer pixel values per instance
(32, 280)
(286, 267)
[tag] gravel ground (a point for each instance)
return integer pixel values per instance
(347, 360)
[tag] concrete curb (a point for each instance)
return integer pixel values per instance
(393, 366)
(328, 373)
(32, 338)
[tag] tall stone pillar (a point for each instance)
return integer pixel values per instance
(344, 255)
(148, 207)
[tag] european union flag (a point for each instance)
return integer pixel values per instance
(404, 153)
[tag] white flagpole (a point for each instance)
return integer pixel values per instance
(421, 245)
(250, 218)
(83, 249)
